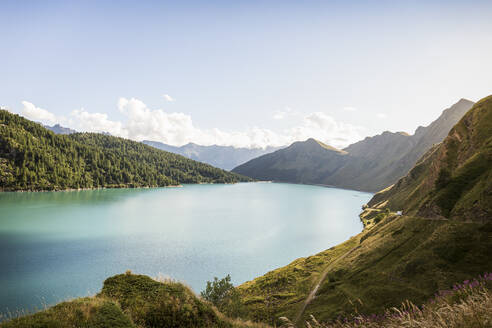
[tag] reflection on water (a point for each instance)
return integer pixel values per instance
(56, 245)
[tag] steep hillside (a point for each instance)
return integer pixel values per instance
(34, 158)
(453, 179)
(224, 157)
(444, 236)
(398, 258)
(302, 162)
(370, 164)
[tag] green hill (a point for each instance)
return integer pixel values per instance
(453, 179)
(445, 236)
(370, 164)
(34, 158)
(131, 301)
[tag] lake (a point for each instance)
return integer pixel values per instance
(60, 245)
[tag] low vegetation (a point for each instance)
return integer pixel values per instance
(465, 305)
(34, 158)
(222, 294)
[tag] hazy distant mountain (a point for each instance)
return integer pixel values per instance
(224, 157)
(370, 164)
(58, 129)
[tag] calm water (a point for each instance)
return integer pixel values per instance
(57, 245)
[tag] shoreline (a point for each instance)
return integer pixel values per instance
(86, 189)
(317, 185)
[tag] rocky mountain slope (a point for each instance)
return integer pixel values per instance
(370, 164)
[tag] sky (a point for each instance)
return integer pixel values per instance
(243, 73)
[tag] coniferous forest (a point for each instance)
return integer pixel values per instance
(34, 158)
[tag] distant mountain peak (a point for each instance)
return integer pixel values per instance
(464, 101)
(314, 143)
(58, 129)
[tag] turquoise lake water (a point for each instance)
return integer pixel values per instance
(59, 245)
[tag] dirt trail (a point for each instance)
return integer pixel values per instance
(313, 292)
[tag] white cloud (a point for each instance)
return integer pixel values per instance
(349, 109)
(37, 114)
(178, 129)
(381, 115)
(81, 120)
(168, 98)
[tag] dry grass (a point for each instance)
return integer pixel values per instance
(466, 308)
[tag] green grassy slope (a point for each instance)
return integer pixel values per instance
(129, 300)
(398, 258)
(34, 158)
(454, 179)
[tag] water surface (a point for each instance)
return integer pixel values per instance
(57, 245)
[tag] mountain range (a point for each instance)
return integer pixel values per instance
(368, 165)
(58, 129)
(224, 157)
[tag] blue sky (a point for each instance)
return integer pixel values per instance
(246, 73)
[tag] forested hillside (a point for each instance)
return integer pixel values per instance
(34, 158)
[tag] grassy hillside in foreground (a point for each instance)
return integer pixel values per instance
(454, 179)
(468, 304)
(132, 301)
(34, 158)
(397, 259)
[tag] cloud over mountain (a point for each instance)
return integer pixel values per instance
(144, 123)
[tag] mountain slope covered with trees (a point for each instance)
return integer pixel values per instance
(34, 158)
